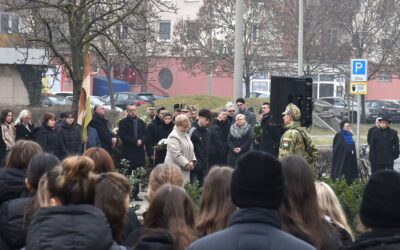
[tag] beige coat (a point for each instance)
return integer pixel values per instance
(180, 151)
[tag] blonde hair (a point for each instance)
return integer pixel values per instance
(42, 195)
(21, 115)
(182, 120)
(162, 174)
(240, 116)
(330, 206)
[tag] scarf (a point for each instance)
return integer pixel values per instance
(8, 133)
(239, 132)
(348, 137)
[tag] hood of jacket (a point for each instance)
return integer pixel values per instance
(12, 183)
(69, 227)
(377, 239)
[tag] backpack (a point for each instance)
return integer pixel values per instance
(311, 150)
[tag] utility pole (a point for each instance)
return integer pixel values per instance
(300, 41)
(238, 68)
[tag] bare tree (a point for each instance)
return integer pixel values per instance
(70, 28)
(208, 41)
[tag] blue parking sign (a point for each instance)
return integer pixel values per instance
(359, 69)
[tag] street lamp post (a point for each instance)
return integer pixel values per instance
(238, 68)
(300, 41)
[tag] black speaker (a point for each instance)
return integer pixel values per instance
(285, 90)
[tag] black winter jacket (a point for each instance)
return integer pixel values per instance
(48, 140)
(103, 130)
(218, 147)
(14, 221)
(70, 227)
(130, 130)
(384, 147)
(382, 239)
(270, 136)
(251, 228)
(12, 183)
(151, 135)
(200, 137)
(70, 139)
(22, 133)
(163, 131)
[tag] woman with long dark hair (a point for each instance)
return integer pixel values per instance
(215, 204)
(69, 136)
(170, 218)
(7, 133)
(301, 214)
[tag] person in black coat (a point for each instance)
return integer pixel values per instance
(47, 137)
(151, 132)
(132, 132)
(200, 137)
(379, 212)
(218, 147)
(162, 132)
(270, 135)
(257, 223)
(100, 123)
(384, 147)
(344, 160)
(12, 176)
(15, 214)
(239, 140)
(69, 135)
(24, 129)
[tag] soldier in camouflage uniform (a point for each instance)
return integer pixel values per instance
(296, 139)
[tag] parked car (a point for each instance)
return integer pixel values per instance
(64, 93)
(148, 95)
(122, 99)
(341, 105)
(390, 109)
(325, 109)
(259, 94)
(48, 100)
(97, 100)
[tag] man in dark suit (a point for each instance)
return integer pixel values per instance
(100, 123)
(132, 131)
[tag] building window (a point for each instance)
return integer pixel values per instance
(165, 78)
(384, 76)
(192, 30)
(9, 23)
(164, 32)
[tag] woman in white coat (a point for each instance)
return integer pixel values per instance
(180, 151)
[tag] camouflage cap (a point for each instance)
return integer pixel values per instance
(185, 108)
(293, 111)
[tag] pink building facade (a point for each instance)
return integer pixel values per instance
(386, 86)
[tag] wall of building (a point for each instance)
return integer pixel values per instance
(12, 89)
(183, 83)
(382, 88)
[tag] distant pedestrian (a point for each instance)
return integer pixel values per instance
(100, 123)
(370, 130)
(384, 147)
(151, 133)
(69, 134)
(344, 159)
(162, 132)
(218, 149)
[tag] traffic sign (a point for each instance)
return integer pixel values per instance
(358, 88)
(359, 68)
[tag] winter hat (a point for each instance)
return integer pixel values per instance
(257, 181)
(380, 205)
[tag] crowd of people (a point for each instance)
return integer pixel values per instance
(61, 191)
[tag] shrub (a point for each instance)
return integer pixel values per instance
(350, 197)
